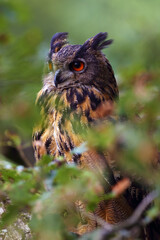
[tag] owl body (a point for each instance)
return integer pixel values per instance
(69, 93)
(82, 104)
(79, 90)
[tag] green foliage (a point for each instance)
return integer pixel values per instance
(50, 189)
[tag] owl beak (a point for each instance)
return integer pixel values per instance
(57, 78)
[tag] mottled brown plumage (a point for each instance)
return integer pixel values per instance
(81, 93)
(79, 88)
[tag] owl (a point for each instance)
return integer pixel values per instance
(79, 89)
(81, 83)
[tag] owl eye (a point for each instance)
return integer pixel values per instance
(77, 66)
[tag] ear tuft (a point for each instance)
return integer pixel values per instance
(59, 38)
(105, 44)
(57, 42)
(96, 43)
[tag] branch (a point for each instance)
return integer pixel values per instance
(140, 209)
(24, 158)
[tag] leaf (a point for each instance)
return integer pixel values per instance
(121, 186)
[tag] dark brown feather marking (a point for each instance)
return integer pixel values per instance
(60, 126)
(110, 68)
(95, 101)
(37, 135)
(113, 93)
(87, 114)
(60, 138)
(85, 92)
(76, 159)
(38, 154)
(69, 141)
(73, 105)
(80, 97)
(69, 95)
(66, 147)
(47, 144)
(60, 153)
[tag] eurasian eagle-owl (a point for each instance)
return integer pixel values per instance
(82, 79)
(80, 86)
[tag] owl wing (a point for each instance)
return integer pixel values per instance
(43, 140)
(43, 143)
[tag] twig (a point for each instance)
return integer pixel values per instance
(140, 209)
(99, 220)
(133, 220)
(24, 158)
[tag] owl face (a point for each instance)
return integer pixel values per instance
(78, 65)
(71, 68)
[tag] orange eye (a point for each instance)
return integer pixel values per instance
(77, 66)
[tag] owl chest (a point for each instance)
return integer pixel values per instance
(64, 135)
(76, 109)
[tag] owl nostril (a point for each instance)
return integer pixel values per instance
(57, 78)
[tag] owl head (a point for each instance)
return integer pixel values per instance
(81, 65)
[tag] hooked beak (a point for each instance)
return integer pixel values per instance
(57, 78)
